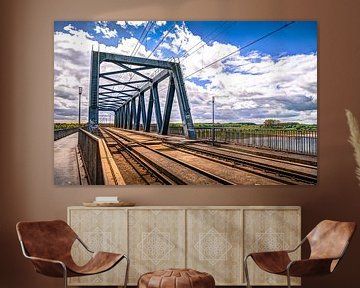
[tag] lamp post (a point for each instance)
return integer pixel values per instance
(213, 121)
(80, 92)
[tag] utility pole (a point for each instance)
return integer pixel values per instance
(213, 121)
(80, 92)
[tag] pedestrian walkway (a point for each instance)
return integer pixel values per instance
(66, 171)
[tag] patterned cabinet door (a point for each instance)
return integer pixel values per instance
(101, 230)
(269, 230)
(156, 240)
(214, 244)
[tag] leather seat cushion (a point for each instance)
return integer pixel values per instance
(176, 278)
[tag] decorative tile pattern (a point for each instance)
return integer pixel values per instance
(210, 239)
(213, 246)
(214, 243)
(100, 230)
(270, 230)
(157, 241)
(269, 241)
(156, 246)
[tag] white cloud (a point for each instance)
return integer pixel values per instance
(102, 28)
(256, 85)
(72, 55)
(285, 90)
(160, 23)
(71, 29)
(136, 24)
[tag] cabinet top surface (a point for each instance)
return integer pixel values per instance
(191, 207)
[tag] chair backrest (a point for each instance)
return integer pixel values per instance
(46, 239)
(329, 239)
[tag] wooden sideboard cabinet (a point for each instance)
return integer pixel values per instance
(211, 239)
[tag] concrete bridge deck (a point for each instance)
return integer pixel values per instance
(66, 168)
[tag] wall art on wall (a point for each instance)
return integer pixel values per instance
(185, 103)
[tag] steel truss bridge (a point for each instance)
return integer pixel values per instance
(126, 98)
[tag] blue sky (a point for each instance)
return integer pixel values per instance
(273, 78)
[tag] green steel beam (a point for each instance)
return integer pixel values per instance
(129, 69)
(125, 71)
(124, 103)
(157, 106)
(122, 93)
(184, 107)
(168, 106)
(132, 60)
(111, 73)
(133, 113)
(94, 89)
(149, 111)
(128, 82)
(119, 82)
(142, 108)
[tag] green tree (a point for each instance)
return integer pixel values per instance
(270, 123)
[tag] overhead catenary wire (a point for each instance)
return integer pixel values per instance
(150, 26)
(221, 30)
(138, 39)
(228, 55)
(156, 46)
(242, 48)
(161, 40)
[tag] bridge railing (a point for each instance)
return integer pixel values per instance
(302, 141)
(99, 165)
(61, 133)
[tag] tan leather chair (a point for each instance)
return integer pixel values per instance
(328, 242)
(48, 245)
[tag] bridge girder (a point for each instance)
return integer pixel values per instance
(128, 103)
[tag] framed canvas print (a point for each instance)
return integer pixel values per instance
(185, 102)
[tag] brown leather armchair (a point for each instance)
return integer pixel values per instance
(48, 245)
(328, 242)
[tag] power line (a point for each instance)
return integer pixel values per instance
(203, 40)
(154, 49)
(138, 40)
(244, 47)
(144, 37)
(161, 40)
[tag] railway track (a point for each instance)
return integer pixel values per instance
(283, 171)
(161, 167)
(259, 167)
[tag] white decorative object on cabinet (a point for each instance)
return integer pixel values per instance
(210, 239)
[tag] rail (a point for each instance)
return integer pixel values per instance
(61, 133)
(99, 165)
(302, 142)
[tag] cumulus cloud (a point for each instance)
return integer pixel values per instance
(125, 24)
(72, 56)
(102, 28)
(71, 30)
(249, 86)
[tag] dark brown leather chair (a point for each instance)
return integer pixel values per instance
(48, 245)
(328, 242)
